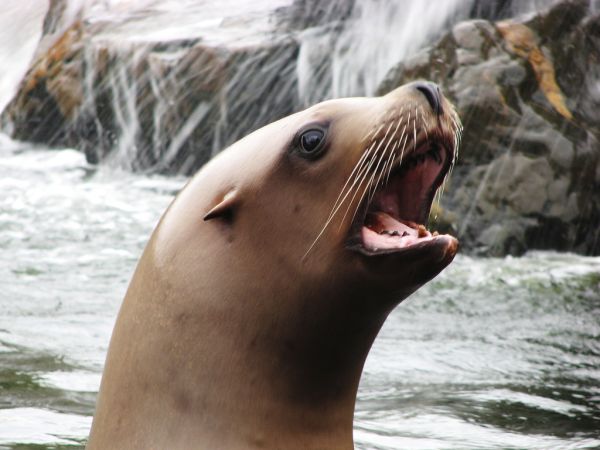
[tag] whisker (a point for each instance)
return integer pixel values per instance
(392, 159)
(358, 178)
(388, 160)
(403, 137)
(364, 171)
(420, 110)
(356, 168)
(355, 192)
(382, 142)
(403, 144)
(415, 134)
(362, 196)
(373, 175)
(372, 133)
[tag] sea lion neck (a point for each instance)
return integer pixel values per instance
(252, 371)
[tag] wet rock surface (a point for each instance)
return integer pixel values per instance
(527, 92)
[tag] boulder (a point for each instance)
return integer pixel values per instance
(527, 92)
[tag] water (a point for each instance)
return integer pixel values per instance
(70, 237)
(496, 353)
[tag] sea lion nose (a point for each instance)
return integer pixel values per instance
(432, 93)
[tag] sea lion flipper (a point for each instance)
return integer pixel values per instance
(225, 207)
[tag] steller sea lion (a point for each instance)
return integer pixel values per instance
(254, 305)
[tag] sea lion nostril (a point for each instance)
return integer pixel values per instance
(431, 91)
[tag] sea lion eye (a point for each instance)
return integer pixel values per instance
(311, 139)
(311, 143)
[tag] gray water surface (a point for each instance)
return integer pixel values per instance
(494, 354)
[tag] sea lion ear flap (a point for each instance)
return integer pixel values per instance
(225, 208)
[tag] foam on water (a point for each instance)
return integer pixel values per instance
(40, 426)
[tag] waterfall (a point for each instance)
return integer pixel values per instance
(382, 34)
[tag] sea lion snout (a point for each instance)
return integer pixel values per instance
(432, 93)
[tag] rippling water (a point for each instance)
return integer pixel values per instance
(496, 353)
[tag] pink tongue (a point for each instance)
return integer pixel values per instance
(382, 231)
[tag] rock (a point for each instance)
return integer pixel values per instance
(51, 94)
(527, 91)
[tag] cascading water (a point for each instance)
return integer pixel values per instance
(496, 353)
(380, 35)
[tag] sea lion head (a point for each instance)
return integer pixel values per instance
(344, 187)
(256, 301)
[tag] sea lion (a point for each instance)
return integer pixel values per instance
(254, 305)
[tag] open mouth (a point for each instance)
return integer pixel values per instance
(394, 218)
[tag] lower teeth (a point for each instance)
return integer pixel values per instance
(394, 233)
